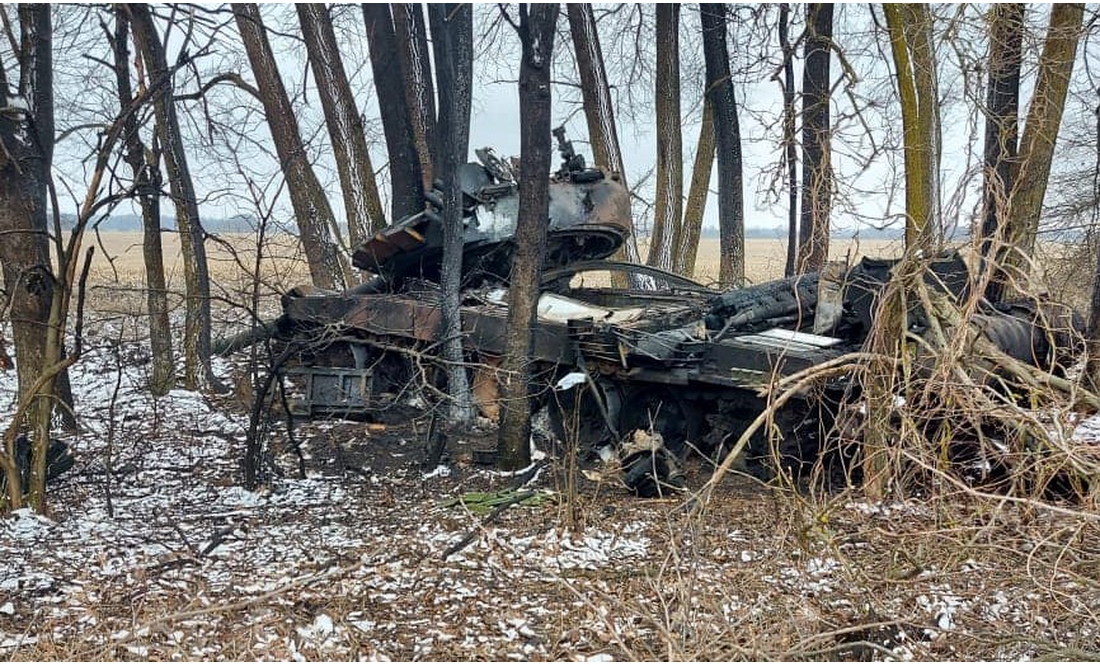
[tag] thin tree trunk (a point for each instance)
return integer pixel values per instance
(147, 184)
(362, 204)
(727, 132)
(27, 140)
(6, 363)
(460, 20)
(196, 335)
(449, 132)
(536, 27)
(406, 186)
(816, 127)
(670, 157)
(36, 76)
(412, 53)
(687, 244)
(598, 111)
(1092, 369)
(790, 147)
(910, 28)
(600, 114)
(910, 31)
(316, 223)
(24, 173)
(1001, 127)
(1044, 117)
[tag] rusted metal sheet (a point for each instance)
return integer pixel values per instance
(391, 315)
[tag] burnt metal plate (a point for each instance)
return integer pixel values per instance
(330, 391)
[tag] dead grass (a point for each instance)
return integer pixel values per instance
(763, 574)
(119, 261)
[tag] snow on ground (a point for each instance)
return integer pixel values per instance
(153, 550)
(1088, 429)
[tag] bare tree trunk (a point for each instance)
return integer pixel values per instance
(406, 185)
(1001, 127)
(24, 247)
(37, 112)
(27, 140)
(412, 53)
(6, 363)
(910, 28)
(316, 223)
(196, 335)
(816, 128)
(727, 132)
(598, 111)
(1044, 117)
(1092, 369)
(147, 185)
(536, 28)
(362, 204)
(910, 31)
(790, 148)
(36, 86)
(687, 244)
(670, 157)
(460, 21)
(454, 93)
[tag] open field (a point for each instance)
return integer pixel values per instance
(118, 267)
(118, 272)
(233, 259)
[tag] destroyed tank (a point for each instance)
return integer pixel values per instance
(647, 375)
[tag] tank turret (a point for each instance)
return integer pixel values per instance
(589, 219)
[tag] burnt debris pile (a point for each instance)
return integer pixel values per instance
(679, 366)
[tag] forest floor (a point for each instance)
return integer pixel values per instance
(152, 549)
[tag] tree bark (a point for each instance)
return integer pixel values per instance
(362, 204)
(910, 28)
(536, 31)
(687, 244)
(600, 115)
(6, 363)
(790, 148)
(816, 128)
(406, 186)
(670, 158)
(1092, 367)
(1044, 117)
(38, 401)
(446, 24)
(27, 139)
(460, 22)
(727, 132)
(1001, 127)
(412, 54)
(147, 184)
(910, 32)
(327, 266)
(196, 335)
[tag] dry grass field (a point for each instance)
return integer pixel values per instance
(232, 259)
(764, 258)
(118, 273)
